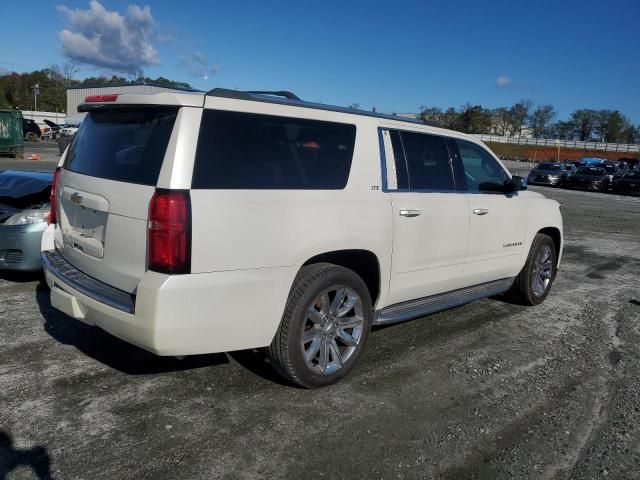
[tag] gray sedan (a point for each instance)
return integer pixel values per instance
(24, 207)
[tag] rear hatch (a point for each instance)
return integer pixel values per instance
(104, 189)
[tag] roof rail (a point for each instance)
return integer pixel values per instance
(279, 93)
(249, 95)
(291, 99)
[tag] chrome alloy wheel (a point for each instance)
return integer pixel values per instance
(542, 271)
(332, 330)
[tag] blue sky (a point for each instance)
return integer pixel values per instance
(395, 56)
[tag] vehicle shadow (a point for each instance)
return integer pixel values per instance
(109, 350)
(21, 277)
(11, 458)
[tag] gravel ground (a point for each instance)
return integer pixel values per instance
(49, 157)
(488, 390)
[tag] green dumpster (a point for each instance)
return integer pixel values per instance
(11, 141)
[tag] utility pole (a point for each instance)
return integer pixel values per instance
(36, 92)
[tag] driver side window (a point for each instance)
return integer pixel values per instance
(481, 171)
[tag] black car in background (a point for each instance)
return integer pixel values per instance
(628, 184)
(30, 130)
(548, 173)
(613, 172)
(588, 178)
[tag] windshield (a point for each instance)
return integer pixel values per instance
(123, 145)
(548, 166)
(595, 172)
(610, 168)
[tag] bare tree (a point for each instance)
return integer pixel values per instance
(69, 71)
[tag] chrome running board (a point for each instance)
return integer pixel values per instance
(442, 301)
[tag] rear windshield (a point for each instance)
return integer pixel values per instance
(248, 151)
(596, 172)
(126, 146)
(548, 166)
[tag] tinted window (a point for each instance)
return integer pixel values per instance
(595, 172)
(481, 171)
(127, 146)
(248, 151)
(427, 159)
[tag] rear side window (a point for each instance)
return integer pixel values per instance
(126, 146)
(249, 151)
(422, 161)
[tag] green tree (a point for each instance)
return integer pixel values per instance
(612, 126)
(584, 122)
(518, 115)
(475, 119)
(540, 120)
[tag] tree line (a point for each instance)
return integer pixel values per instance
(538, 121)
(16, 89)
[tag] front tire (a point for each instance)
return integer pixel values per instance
(532, 285)
(324, 328)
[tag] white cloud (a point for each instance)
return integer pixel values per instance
(107, 39)
(502, 81)
(197, 65)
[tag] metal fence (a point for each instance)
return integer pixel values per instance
(548, 142)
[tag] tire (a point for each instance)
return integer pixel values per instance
(327, 322)
(31, 137)
(532, 285)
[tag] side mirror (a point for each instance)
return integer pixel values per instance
(517, 184)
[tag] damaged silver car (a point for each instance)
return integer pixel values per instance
(24, 209)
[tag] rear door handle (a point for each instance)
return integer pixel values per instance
(410, 213)
(480, 211)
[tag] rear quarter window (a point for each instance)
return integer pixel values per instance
(127, 146)
(250, 151)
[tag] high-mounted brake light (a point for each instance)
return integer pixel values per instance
(111, 97)
(169, 232)
(52, 217)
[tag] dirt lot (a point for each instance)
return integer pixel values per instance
(488, 390)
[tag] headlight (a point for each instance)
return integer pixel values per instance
(27, 217)
(554, 177)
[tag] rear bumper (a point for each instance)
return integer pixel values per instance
(20, 247)
(179, 314)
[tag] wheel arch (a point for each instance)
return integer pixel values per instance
(556, 236)
(363, 262)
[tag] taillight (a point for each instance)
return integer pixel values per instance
(52, 217)
(169, 232)
(111, 97)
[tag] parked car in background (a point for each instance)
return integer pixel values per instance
(24, 208)
(613, 173)
(588, 178)
(201, 223)
(31, 130)
(67, 132)
(548, 173)
(569, 167)
(628, 184)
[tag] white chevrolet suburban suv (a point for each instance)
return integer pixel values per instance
(196, 223)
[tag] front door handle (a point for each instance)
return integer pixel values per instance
(480, 211)
(410, 213)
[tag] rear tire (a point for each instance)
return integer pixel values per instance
(324, 328)
(532, 285)
(31, 137)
